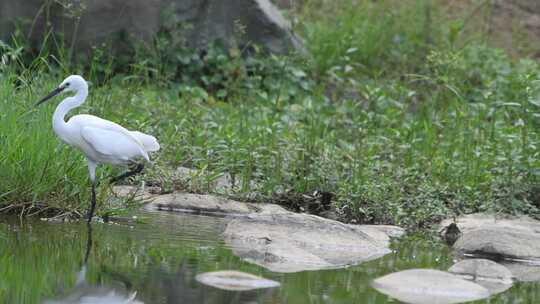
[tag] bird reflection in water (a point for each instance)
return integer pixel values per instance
(85, 293)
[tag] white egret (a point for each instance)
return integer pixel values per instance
(101, 141)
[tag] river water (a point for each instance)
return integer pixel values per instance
(156, 260)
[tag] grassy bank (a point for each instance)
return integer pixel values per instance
(393, 115)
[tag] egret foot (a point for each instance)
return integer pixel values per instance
(136, 170)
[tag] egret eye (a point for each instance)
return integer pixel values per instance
(67, 84)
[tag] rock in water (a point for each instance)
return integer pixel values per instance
(494, 277)
(428, 286)
(515, 241)
(500, 243)
(290, 242)
(503, 237)
(234, 280)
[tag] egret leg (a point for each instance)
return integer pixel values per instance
(92, 172)
(136, 170)
(93, 203)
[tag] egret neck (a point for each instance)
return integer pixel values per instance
(59, 123)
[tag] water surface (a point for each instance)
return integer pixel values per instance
(156, 262)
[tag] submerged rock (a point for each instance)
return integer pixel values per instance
(494, 277)
(524, 272)
(234, 280)
(290, 242)
(428, 286)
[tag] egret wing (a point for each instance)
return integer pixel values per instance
(113, 143)
(86, 120)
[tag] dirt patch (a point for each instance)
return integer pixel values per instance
(511, 25)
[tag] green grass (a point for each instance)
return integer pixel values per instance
(395, 118)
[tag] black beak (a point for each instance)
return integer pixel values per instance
(50, 95)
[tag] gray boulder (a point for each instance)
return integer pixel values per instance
(235, 22)
(428, 286)
(494, 277)
(87, 23)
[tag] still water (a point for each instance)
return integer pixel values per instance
(156, 261)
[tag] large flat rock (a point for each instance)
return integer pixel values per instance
(291, 242)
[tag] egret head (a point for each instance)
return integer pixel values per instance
(73, 83)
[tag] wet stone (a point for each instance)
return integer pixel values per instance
(291, 242)
(428, 286)
(493, 276)
(499, 237)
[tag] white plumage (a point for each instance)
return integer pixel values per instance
(101, 141)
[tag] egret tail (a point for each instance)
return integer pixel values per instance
(149, 142)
